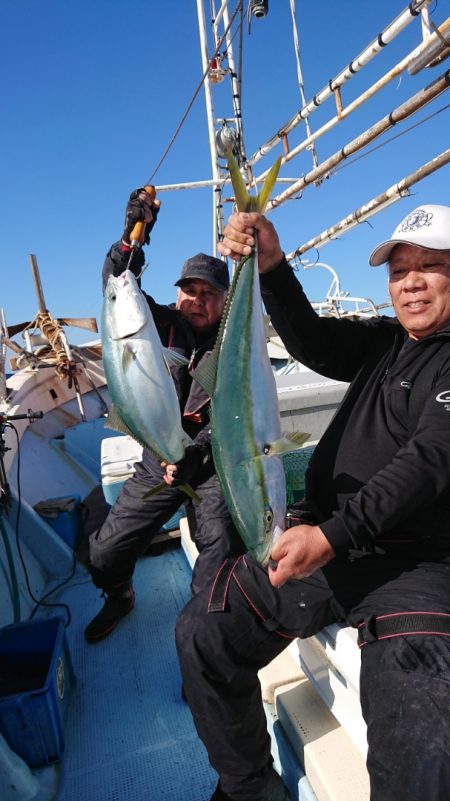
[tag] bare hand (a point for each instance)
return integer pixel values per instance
(170, 476)
(187, 469)
(299, 552)
(239, 238)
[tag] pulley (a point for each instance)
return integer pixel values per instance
(226, 139)
(259, 8)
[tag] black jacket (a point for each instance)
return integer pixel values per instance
(177, 335)
(371, 483)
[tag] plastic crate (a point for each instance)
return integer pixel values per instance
(36, 677)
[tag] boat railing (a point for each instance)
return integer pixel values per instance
(358, 307)
(339, 302)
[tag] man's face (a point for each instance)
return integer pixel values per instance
(200, 303)
(419, 286)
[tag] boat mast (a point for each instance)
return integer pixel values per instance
(217, 209)
(223, 132)
(219, 65)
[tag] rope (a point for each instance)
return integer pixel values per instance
(65, 367)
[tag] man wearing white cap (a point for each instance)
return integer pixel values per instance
(372, 548)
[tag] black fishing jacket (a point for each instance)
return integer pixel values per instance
(176, 334)
(373, 484)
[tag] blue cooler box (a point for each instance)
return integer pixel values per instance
(36, 677)
(63, 515)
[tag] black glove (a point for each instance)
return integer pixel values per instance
(195, 457)
(141, 207)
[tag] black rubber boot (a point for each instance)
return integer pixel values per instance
(274, 790)
(119, 603)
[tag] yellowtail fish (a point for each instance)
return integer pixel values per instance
(247, 440)
(145, 402)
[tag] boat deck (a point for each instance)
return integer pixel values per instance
(129, 734)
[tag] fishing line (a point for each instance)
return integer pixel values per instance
(147, 264)
(349, 162)
(184, 117)
(37, 601)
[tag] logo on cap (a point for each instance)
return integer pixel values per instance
(416, 220)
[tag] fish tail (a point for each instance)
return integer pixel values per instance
(155, 490)
(264, 195)
(186, 488)
(245, 201)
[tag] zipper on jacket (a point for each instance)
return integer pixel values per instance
(192, 360)
(395, 350)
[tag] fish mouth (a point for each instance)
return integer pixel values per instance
(277, 531)
(129, 335)
(262, 552)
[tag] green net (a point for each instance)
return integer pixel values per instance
(295, 465)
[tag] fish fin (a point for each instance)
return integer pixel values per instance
(128, 356)
(287, 444)
(205, 373)
(245, 201)
(173, 357)
(186, 488)
(115, 422)
(298, 438)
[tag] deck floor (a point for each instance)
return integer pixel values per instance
(129, 734)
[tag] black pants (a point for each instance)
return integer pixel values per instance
(405, 681)
(133, 522)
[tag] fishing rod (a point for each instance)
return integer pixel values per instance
(137, 236)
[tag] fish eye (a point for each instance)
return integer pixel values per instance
(266, 449)
(268, 518)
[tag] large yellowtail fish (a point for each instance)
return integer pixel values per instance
(145, 402)
(247, 440)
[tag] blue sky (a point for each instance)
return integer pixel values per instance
(93, 91)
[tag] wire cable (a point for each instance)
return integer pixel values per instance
(352, 161)
(38, 601)
(191, 103)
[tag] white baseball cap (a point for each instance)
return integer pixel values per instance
(425, 227)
